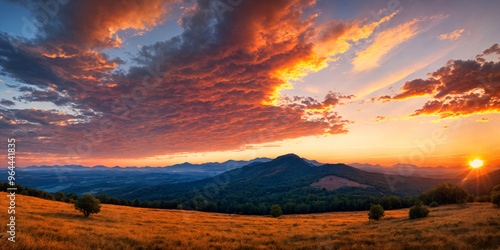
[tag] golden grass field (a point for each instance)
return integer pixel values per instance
(43, 224)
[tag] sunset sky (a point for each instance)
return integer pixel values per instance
(155, 83)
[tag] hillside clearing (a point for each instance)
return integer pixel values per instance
(332, 182)
(43, 224)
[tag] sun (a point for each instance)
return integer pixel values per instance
(476, 163)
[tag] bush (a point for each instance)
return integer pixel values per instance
(495, 198)
(496, 188)
(418, 211)
(376, 212)
(59, 196)
(88, 205)
(276, 211)
(484, 198)
(445, 193)
(495, 195)
(433, 204)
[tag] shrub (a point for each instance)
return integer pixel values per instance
(59, 196)
(376, 212)
(72, 196)
(495, 195)
(276, 211)
(495, 198)
(496, 188)
(484, 198)
(418, 211)
(433, 204)
(445, 193)
(137, 203)
(88, 205)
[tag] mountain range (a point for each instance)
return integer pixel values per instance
(260, 176)
(287, 173)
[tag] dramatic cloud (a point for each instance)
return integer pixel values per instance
(454, 35)
(95, 24)
(460, 88)
(214, 87)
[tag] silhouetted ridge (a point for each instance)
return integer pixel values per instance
(288, 159)
(288, 156)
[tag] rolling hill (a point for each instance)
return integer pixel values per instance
(480, 184)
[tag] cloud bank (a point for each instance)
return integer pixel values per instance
(460, 88)
(214, 87)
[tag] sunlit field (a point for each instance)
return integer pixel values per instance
(43, 224)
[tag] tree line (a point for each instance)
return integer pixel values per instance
(310, 200)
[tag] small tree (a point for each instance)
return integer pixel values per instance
(72, 196)
(376, 212)
(495, 198)
(418, 211)
(276, 211)
(59, 196)
(433, 204)
(495, 195)
(88, 205)
(137, 202)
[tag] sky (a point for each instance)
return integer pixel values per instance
(156, 83)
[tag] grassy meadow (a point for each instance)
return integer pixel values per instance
(43, 224)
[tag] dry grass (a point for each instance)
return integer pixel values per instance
(43, 224)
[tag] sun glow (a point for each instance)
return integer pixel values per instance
(476, 163)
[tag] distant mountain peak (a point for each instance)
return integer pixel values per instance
(287, 157)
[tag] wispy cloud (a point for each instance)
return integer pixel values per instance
(454, 35)
(386, 40)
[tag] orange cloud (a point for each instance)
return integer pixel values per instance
(214, 87)
(380, 119)
(385, 41)
(461, 88)
(336, 36)
(454, 35)
(95, 23)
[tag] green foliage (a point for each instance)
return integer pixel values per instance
(276, 211)
(433, 204)
(137, 202)
(88, 204)
(483, 198)
(495, 195)
(418, 211)
(72, 196)
(59, 196)
(103, 198)
(445, 193)
(470, 198)
(496, 188)
(168, 204)
(495, 198)
(376, 212)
